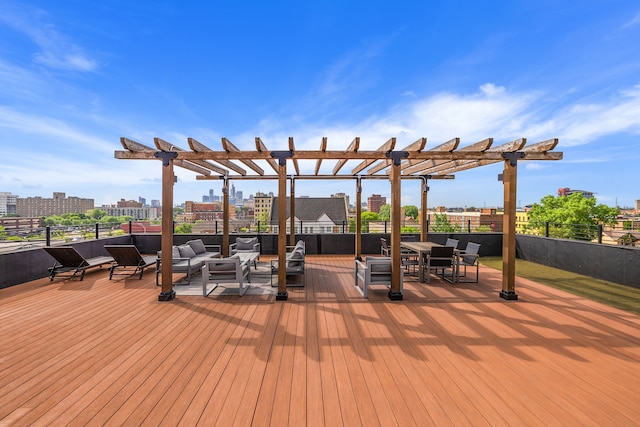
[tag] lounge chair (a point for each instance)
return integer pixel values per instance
(69, 260)
(246, 245)
(374, 271)
(294, 264)
(226, 270)
(127, 257)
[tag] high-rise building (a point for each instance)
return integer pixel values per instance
(142, 200)
(239, 198)
(375, 202)
(7, 203)
(262, 205)
(58, 205)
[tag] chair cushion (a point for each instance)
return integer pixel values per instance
(186, 251)
(294, 258)
(221, 266)
(175, 252)
(246, 243)
(378, 264)
(198, 246)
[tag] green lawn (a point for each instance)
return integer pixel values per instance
(623, 297)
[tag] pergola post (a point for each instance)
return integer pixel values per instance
(358, 230)
(225, 217)
(292, 213)
(167, 293)
(395, 293)
(423, 208)
(509, 180)
(282, 156)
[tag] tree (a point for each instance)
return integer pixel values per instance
(96, 213)
(385, 213)
(442, 225)
(3, 233)
(411, 211)
(571, 217)
(184, 228)
(367, 217)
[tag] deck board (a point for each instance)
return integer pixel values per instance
(101, 352)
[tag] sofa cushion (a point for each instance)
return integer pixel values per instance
(379, 265)
(198, 246)
(295, 258)
(221, 266)
(246, 243)
(186, 251)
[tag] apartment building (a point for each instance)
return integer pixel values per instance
(7, 203)
(57, 205)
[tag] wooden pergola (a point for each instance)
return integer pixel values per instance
(386, 162)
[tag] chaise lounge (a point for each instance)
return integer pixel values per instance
(128, 257)
(69, 260)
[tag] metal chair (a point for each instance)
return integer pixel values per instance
(440, 258)
(468, 258)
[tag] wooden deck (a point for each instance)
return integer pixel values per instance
(102, 352)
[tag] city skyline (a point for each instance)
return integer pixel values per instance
(73, 80)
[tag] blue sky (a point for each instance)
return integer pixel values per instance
(76, 76)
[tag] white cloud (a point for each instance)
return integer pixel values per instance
(633, 22)
(56, 50)
(49, 129)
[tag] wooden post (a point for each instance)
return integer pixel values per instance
(292, 213)
(167, 293)
(282, 294)
(423, 211)
(509, 180)
(395, 292)
(358, 230)
(225, 218)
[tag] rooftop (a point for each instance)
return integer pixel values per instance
(105, 351)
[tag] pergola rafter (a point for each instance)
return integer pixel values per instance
(412, 162)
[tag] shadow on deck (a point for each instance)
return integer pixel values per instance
(101, 351)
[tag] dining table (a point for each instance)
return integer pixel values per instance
(422, 249)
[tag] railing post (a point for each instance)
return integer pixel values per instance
(130, 227)
(546, 229)
(173, 227)
(216, 226)
(97, 231)
(258, 227)
(343, 226)
(468, 226)
(385, 226)
(599, 233)
(48, 235)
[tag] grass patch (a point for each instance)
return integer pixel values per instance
(619, 296)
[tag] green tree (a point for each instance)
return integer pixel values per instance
(571, 217)
(385, 213)
(184, 228)
(262, 222)
(442, 225)
(3, 233)
(411, 211)
(367, 217)
(96, 214)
